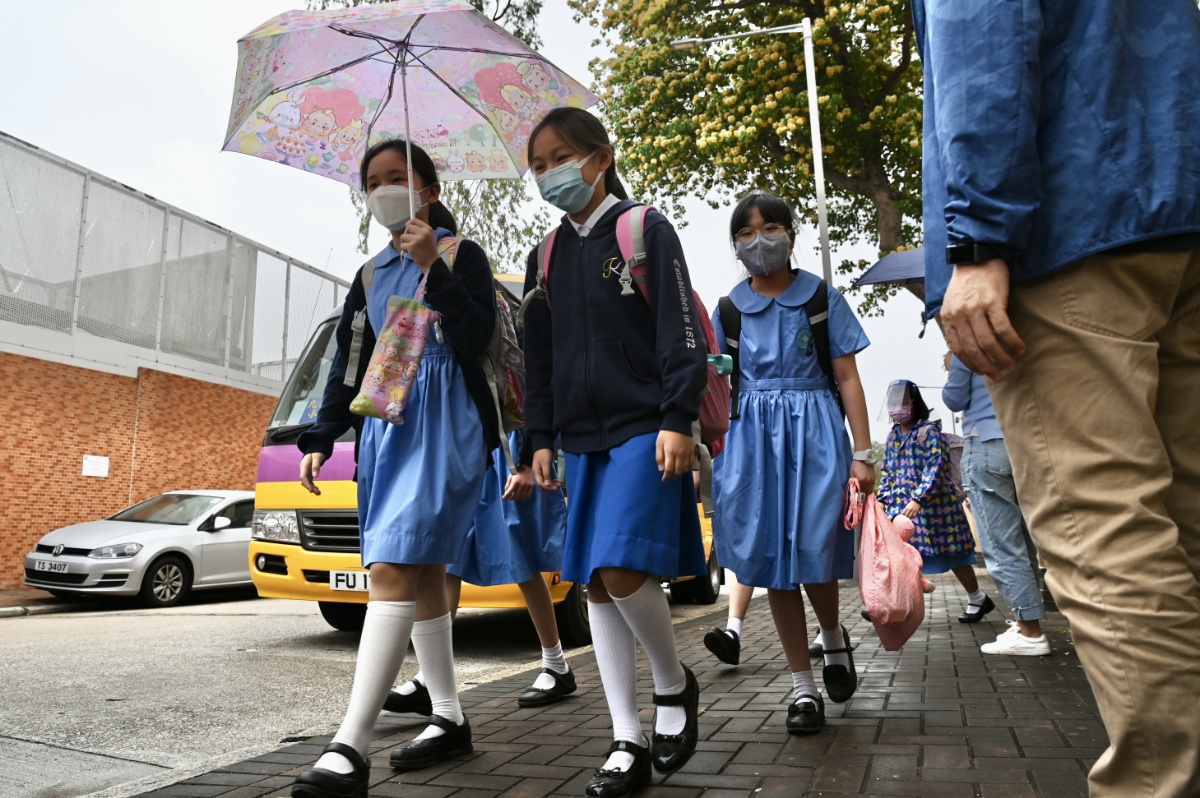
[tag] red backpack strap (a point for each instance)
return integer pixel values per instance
(631, 240)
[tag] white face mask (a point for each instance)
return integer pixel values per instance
(393, 206)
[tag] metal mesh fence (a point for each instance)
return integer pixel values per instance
(82, 254)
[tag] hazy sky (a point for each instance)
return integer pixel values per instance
(140, 90)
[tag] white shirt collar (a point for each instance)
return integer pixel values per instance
(598, 214)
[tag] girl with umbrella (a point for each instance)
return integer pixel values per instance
(419, 482)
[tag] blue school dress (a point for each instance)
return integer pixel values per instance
(419, 483)
(916, 465)
(779, 485)
(620, 514)
(512, 541)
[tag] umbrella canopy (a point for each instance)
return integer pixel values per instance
(315, 88)
(898, 268)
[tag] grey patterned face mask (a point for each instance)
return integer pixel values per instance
(765, 253)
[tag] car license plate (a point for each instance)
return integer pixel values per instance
(53, 567)
(350, 580)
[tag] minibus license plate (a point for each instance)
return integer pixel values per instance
(350, 580)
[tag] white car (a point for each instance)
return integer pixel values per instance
(159, 549)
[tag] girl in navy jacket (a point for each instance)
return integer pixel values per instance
(620, 379)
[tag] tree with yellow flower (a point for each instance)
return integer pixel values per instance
(733, 116)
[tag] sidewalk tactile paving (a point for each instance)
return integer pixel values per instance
(937, 720)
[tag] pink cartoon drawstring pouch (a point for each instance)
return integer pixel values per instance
(396, 359)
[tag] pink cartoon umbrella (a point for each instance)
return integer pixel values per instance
(315, 88)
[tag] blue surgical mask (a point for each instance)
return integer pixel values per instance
(765, 254)
(564, 186)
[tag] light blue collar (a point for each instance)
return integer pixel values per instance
(802, 289)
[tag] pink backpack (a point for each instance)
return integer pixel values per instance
(714, 404)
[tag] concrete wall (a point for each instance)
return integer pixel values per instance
(160, 432)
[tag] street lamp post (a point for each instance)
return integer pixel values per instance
(804, 27)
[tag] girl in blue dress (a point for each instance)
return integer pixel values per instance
(916, 483)
(619, 376)
(418, 483)
(779, 486)
(518, 535)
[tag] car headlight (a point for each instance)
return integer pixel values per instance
(116, 551)
(279, 526)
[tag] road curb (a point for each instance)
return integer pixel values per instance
(36, 609)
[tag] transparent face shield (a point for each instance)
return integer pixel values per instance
(898, 402)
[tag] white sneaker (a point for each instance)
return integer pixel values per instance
(1013, 643)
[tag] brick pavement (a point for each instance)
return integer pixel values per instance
(938, 719)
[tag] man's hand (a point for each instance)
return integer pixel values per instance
(975, 315)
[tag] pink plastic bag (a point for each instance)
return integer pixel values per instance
(889, 578)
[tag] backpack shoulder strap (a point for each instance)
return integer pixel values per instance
(358, 326)
(631, 240)
(731, 323)
(545, 253)
(817, 309)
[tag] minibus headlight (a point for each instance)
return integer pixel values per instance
(278, 526)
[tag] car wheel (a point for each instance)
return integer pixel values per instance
(343, 617)
(166, 582)
(699, 589)
(571, 615)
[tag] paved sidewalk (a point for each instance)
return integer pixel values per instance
(937, 719)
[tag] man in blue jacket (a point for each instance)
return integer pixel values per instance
(1062, 226)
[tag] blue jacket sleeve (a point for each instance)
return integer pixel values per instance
(680, 342)
(334, 418)
(983, 58)
(957, 393)
(539, 365)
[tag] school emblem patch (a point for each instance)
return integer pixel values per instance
(804, 340)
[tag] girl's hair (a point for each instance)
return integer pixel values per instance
(920, 409)
(422, 164)
(586, 133)
(772, 208)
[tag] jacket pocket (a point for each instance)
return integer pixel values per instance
(619, 385)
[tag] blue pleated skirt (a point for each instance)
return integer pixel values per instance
(512, 541)
(419, 483)
(620, 514)
(779, 487)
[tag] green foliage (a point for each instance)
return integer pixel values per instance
(733, 116)
(489, 212)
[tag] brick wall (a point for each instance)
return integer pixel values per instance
(160, 432)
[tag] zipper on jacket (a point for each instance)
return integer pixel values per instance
(581, 274)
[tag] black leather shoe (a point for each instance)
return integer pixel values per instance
(418, 754)
(805, 717)
(670, 752)
(866, 616)
(417, 702)
(840, 681)
(724, 645)
(322, 783)
(977, 616)
(564, 685)
(619, 783)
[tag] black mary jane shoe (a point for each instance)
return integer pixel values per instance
(806, 715)
(724, 645)
(619, 783)
(322, 783)
(977, 616)
(564, 685)
(670, 752)
(418, 754)
(418, 701)
(840, 681)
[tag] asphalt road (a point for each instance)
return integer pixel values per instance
(112, 702)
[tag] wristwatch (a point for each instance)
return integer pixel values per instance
(868, 456)
(970, 253)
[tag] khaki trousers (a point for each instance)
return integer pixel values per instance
(1102, 422)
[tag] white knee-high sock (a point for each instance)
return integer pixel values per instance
(616, 652)
(410, 687)
(433, 643)
(381, 648)
(648, 616)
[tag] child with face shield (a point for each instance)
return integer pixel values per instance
(779, 486)
(618, 373)
(916, 484)
(419, 481)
